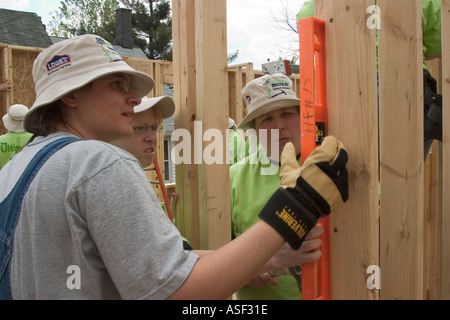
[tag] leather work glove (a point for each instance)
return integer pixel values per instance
(307, 193)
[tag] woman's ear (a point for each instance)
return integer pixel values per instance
(70, 99)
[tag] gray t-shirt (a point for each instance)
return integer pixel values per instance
(91, 227)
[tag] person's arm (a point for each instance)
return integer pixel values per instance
(306, 194)
(5, 87)
(220, 273)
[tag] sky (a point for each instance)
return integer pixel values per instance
(251, 28)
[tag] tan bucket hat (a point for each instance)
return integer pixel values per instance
(266, 94)
(13, 120)
(73, 63)
(165, 105)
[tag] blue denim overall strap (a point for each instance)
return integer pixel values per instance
(10, 208)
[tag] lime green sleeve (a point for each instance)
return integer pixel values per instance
(431, 26)
(306, 11)
(431, 23)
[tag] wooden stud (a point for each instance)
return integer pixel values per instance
(184, 69)
(212, 106)
(352, 112)
(444, 267)
(401, 150)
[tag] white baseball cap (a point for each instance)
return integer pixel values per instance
(266, 94)
(165, 105)
(13, 120)
(73, 63)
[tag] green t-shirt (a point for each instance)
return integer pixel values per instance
(253, 180)
(10, 144)
(431, 25)
(236, 149)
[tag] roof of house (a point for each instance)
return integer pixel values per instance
(23, 29)
(135, 52)
(27, 30)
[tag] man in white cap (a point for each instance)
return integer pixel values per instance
(13, 141)
(90, 226)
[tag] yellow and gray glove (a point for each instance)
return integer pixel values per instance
(307, 193)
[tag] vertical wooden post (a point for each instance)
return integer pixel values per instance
(445, 233)
(401, 150)
(184, 69)
(5, 97)
(201, 94)
(352, 115)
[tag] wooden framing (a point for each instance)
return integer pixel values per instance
(405, 233)
(200, 76)
(401, 156)
(397, 217)
(444, 252)
(352, 113)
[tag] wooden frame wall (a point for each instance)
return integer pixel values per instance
(397, 217)
(406, 232)
(444, 253)
(201, 94)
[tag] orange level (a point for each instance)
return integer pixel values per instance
(163, 188)
(314, 128)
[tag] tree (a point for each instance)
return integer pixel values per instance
(286, 20)
(233, 56)
(151, 21)
(152, 24)
(77, 17)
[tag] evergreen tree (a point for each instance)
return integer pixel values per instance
(152, 24)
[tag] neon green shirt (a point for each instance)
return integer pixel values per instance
(253, 180)
(237, 144)
(10, 144)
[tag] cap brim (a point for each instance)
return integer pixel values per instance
(165, 105)
(266, 107)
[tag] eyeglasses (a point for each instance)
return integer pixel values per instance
(120, 83)
(144, 128)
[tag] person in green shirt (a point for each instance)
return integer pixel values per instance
(432, 48)
(273, 112)
(13, 141)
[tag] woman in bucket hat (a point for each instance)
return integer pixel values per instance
(273, 115)
(13, 141)
(88, 225)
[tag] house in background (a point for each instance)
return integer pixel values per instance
(23, 29)
(26, 29)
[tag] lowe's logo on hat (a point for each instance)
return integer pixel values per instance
(58, 62)
(276, 85)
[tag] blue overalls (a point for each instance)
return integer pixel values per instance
(10, 209)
